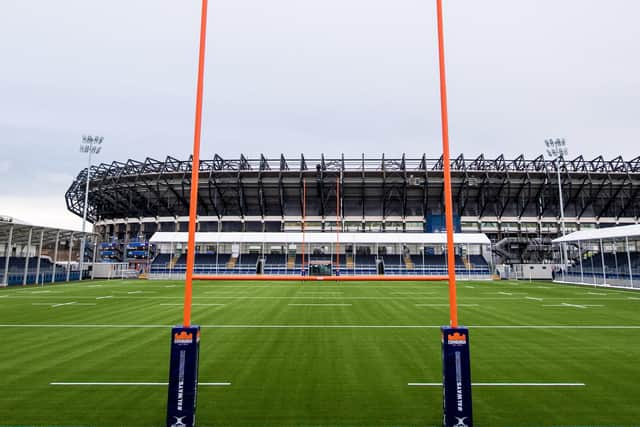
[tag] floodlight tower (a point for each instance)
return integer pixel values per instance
(90, 145)
(557, 149)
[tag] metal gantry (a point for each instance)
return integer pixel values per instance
(378, 187)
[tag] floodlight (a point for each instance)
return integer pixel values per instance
(88, 145)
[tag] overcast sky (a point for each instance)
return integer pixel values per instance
(291, 76)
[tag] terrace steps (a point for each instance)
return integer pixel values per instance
(232, 262)
(408, 262)
(173, 262)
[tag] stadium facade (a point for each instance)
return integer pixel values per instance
(515, 201)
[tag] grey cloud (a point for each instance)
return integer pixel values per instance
(302, 76)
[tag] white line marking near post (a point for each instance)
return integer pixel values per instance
(504, 384)
(515, 327)
(170, 286)
(129, 384)
(596, 293)
(534, 298)
(232, 294)
(320, 305)
(470, 287)
(446, 305)
(108, 296)
(204, 305)
(40, 292)
(412, 293)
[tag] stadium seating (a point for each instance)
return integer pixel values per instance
(279, 264)
(616, 266)
(16, 273)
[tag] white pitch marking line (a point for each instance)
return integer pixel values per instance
(64, 303)
(4, 296)
(446, 305)
(320, 305)
(40, 292)
(564, 304)
(596, 293)
(170, 286)
(108, 296)
(627, 298)
(321, 292)
(130, 326)
(534, 298)
(129, 384)
(504, 384)
(206, 305)
(94, 286)
(60, 304)
(233, 292)
(505, 293)
(470, 287)
(134, 292)
(412, 293)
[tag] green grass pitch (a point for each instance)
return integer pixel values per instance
(320, 354)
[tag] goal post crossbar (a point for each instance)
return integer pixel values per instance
(295, 278)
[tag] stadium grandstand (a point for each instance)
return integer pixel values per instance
(31, 254)
(363, 254)
(603, 257)
(515, 203)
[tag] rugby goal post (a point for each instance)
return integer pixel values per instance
(183, 375)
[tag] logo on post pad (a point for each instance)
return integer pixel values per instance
(183, 338)
(457, 338)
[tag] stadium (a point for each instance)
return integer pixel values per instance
(300, 352)
(323, 290)
(514, 203)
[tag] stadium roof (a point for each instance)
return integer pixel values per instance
(609, 233)
(345, 238)
(20, 233)
(371, 186)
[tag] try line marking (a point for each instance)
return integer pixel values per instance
(130, 326)
(181, 305)
(320, 305)
(446, 305)
(127, 384)
(505, 384)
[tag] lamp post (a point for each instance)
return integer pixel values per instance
(90, 145)
(557, 148)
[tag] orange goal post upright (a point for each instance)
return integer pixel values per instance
(456, 363)
(185, 338)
